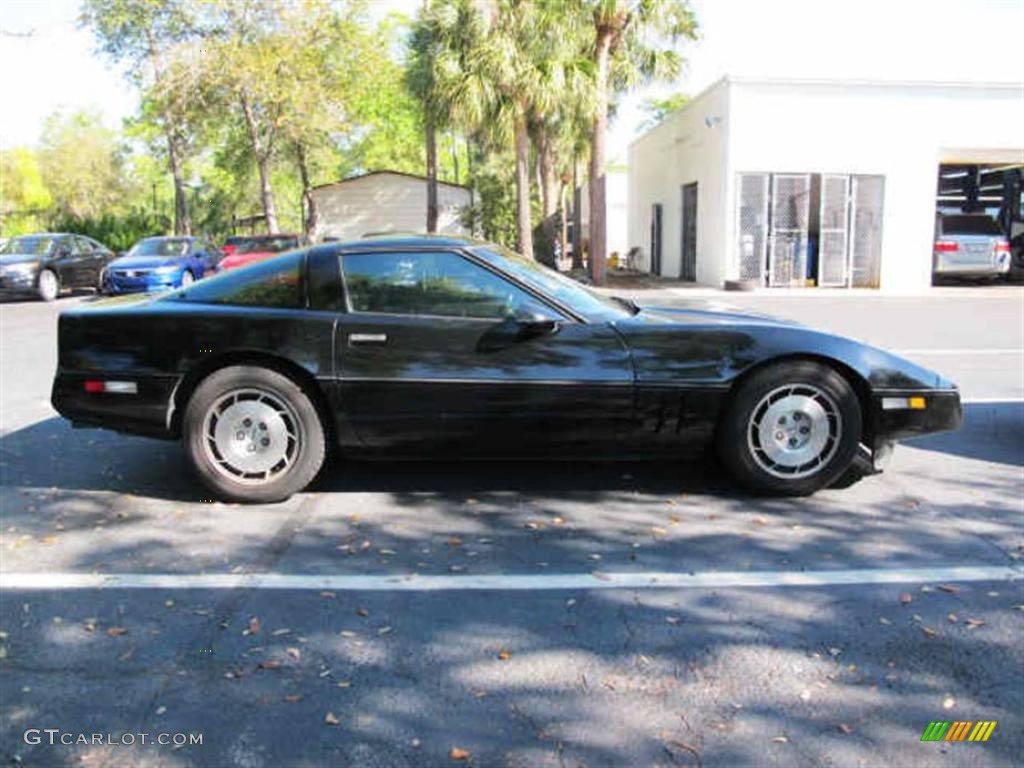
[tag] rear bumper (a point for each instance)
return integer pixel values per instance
(146, 412)
(942, 412)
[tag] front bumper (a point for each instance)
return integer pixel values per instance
(941, 412)
(117, 285)
(18, 283)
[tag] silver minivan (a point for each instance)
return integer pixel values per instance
(970, 245)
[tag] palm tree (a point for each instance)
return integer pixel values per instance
(626, 50)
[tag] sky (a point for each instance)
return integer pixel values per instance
(56, 68)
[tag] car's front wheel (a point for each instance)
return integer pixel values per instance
(253, 434)
(791, 429)
(49, 285)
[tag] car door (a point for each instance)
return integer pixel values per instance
(66, 262)
(90, 264)
(439, 351)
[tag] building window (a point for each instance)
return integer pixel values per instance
(806, 229)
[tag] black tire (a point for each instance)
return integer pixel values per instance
(308, 447)
(48, 285)
(738, 437)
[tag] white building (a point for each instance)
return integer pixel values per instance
(386, 201)
(803, 182)
(616, 198)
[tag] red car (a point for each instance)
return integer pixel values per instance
(239, 251)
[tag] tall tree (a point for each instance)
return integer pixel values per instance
(139, 33)
(632, 42)
(81, 164)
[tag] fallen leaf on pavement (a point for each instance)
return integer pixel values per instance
(975, 623)
(295, 653)
(327, 594)
(949, 589)
(929, 631)
(269, 664)
(906, 598)
(116, 631)
(279, 632)
(362, 612)
(293, 698)
(844, 728)
(454, 541)
(780, 740)
(90, 624)
(504, 655)
(331, 719)
(951, 618)
(384, 630)
(672, 619)
(948, 703)
(254, 627)
(458, 754)
(760, 520)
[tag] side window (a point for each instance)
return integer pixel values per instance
(438, 283)
(274, 283)
(78, 245)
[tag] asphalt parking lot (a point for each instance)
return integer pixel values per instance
(520, 614)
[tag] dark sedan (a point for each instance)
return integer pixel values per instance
(44, 264)
(417, 346)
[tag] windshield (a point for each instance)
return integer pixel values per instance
(560, 287)
(36, 245)
(160, 246)
(970, 225)
(265, 244)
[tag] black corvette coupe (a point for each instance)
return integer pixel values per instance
(428, 346)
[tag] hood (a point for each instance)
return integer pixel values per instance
(145, 262)
(241, 259)
(709, 311)
(19, 258)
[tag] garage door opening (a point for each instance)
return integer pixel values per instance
(979, 220)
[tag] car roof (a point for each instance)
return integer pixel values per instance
(384, 241)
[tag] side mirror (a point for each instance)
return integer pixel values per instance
(513, 330)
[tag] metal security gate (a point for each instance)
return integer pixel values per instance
(833, 262)
(688, 269)
(752, 226)
(787, 251)
(866, 235)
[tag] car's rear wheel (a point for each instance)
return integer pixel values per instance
(253, 434)
(791, 429)
(49, 285)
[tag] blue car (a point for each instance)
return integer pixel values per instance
(160, 264)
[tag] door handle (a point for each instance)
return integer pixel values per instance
(379, 339)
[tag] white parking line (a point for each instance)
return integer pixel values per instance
(971, 351)
(499, 581)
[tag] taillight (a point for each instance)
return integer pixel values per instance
(1002, 248)
(114, 387)
(946, 246)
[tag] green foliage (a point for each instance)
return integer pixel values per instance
(119, 231)
(82, 164)
(24, 197)
(657, 110)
